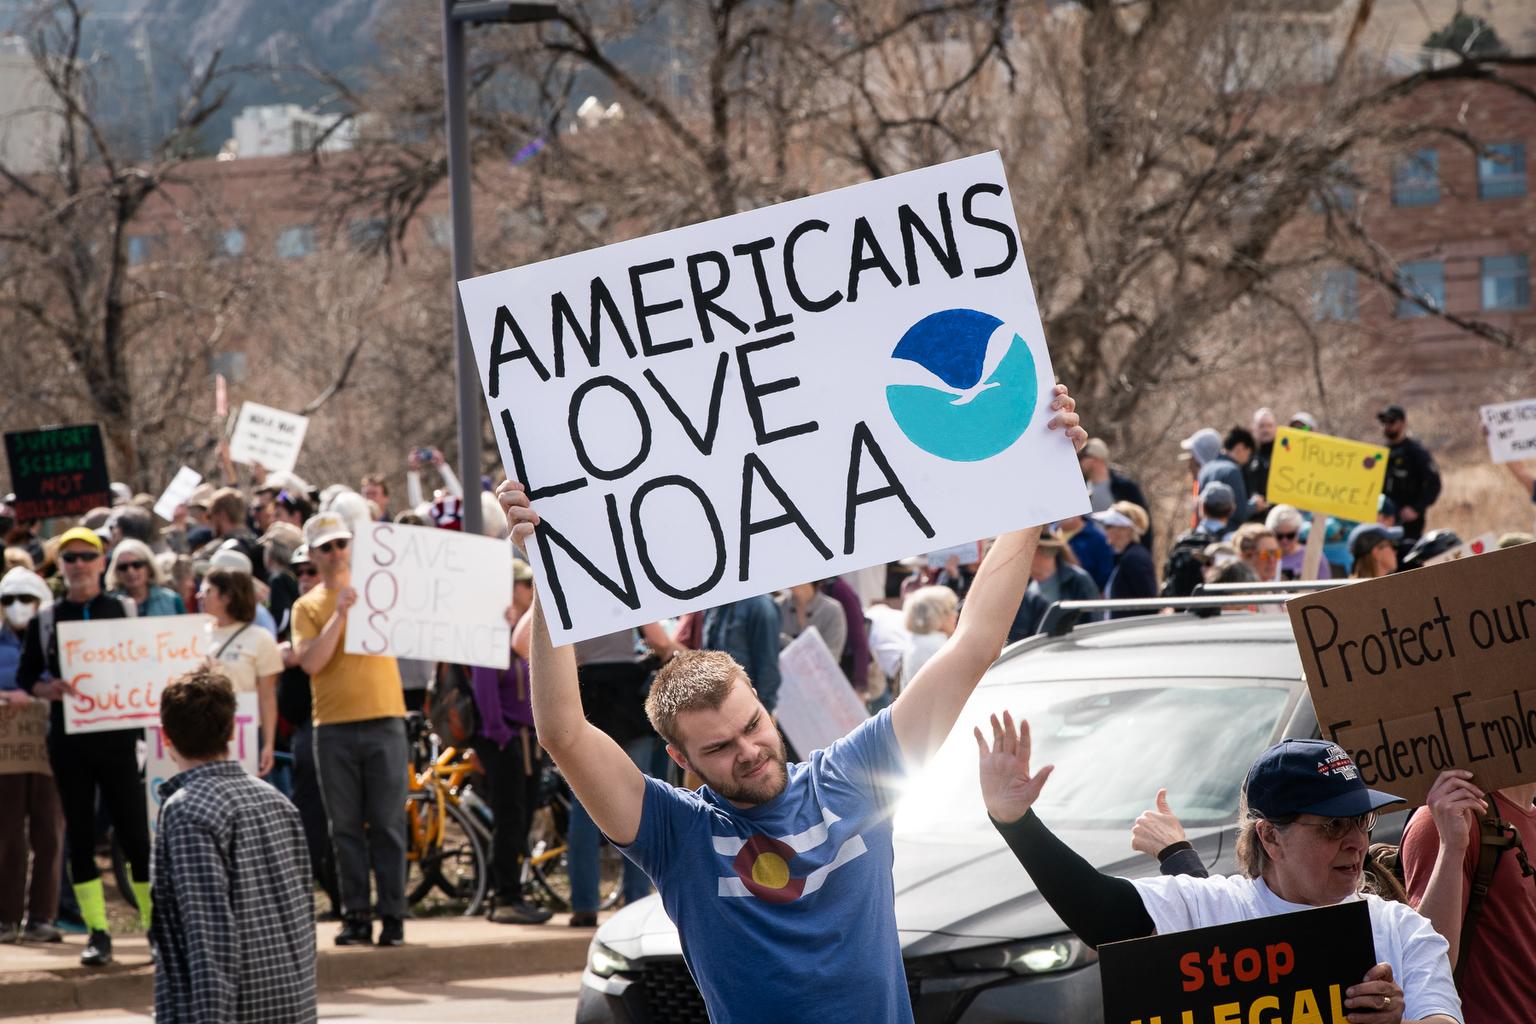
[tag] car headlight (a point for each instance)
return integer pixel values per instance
(1033, 956)
(604, 962)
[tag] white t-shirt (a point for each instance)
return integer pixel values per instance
(1404, 939)
(248, 657)
(921, 647)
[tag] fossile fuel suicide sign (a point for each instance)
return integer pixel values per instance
(774, 397)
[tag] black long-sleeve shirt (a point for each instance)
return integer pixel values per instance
(37, 664)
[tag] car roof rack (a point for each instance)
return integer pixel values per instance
(1203, 606)
(1272, 587)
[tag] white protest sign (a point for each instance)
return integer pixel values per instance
(1511, 428)
(773, 397)
(269, 436)
(176, 494)
(1476, 546)
(816, 703)
(119, 666)
(244, 748)
(969, 554)
(430, 594)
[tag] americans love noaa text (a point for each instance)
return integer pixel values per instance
(774, 397)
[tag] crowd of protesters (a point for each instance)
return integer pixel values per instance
(269, 563)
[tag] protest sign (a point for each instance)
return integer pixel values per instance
(24, 738)
(777, 396)
(1478, 545)
(816, 703)
(176, 494)
(267, 436)
(436, 595)
(1426, 670)
(58, 471)
(969, 554)
(1326, 474)
(244, 748)
(1289, 967)
(1511, 429)
(120, 666)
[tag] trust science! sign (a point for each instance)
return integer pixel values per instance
(774, 397)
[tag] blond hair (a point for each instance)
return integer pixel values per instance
(691, 681)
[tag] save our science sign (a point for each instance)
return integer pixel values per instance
(774, 397)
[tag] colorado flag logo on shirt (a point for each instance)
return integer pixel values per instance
(764, 864)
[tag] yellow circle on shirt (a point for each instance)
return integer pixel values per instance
(769, 870)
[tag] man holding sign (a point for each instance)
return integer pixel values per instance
(1302, 839)
(773, 870)
(90, 763)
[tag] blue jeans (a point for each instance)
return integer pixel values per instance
(585, 841)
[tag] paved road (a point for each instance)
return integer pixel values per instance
(535, 999)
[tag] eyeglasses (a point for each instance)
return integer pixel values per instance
(10, 599)
(308, 570)
(1287, 536)
(333, 545)
(1335, 829)
(79, 556)
(126, 566)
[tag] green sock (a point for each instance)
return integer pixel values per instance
(93, 904)
(141, 893)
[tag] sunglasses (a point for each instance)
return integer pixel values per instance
(1335, 829)
(308, 570)
(332, 545)
(126, 566)
(1286, 536)
(10, 599)
(79, 556)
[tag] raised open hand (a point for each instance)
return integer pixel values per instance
(1007, 787)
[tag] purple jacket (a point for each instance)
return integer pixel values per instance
(502, 696)
(858, 632)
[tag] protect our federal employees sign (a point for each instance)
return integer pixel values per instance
(1426, 670)
(120, 667)
(436, 595)
(1326, 474)
(774, 397)
(1291, 968)
(267, 436)
(1511, 428)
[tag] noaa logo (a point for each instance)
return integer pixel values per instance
(966, 387)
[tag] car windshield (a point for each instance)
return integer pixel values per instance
(1114, 743)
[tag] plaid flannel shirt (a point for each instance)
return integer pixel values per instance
(234, 925)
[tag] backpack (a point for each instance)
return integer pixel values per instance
(1184, 569)
(1384, 869)
(451, 706)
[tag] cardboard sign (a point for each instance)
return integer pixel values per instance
(969, 554)
(1481, 544)
(181, 487)
(120, 667)
(24, 738)
(1290, 967)
(1326, 474)
(1427, 670)
(1511, 429)
(60, 471)
(430, 594)
(773, 397)
(269, 436)
(816, 703)
(244, 748)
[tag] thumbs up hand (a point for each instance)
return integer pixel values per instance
(1157, 829)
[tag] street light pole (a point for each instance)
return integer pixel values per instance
(455, 16)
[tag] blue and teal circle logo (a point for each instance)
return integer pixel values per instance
(965, 385)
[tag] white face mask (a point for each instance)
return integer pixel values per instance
(19, 613)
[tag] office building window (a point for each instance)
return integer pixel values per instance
(1506, 282)
(141, 248)
(367, 235)
(232, 242)
(1501, 172)
(1416, 179)
(295, 242)
(1337, 297)
(1425, 281)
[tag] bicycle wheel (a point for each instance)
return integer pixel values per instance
(456, 866)
(546, 873)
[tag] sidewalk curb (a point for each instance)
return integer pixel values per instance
(526, 950)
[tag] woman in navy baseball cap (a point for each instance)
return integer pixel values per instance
(1304, 828)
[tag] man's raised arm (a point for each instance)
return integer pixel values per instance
(927, 709)
(601, 775)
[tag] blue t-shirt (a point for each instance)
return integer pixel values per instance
(786, 911)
